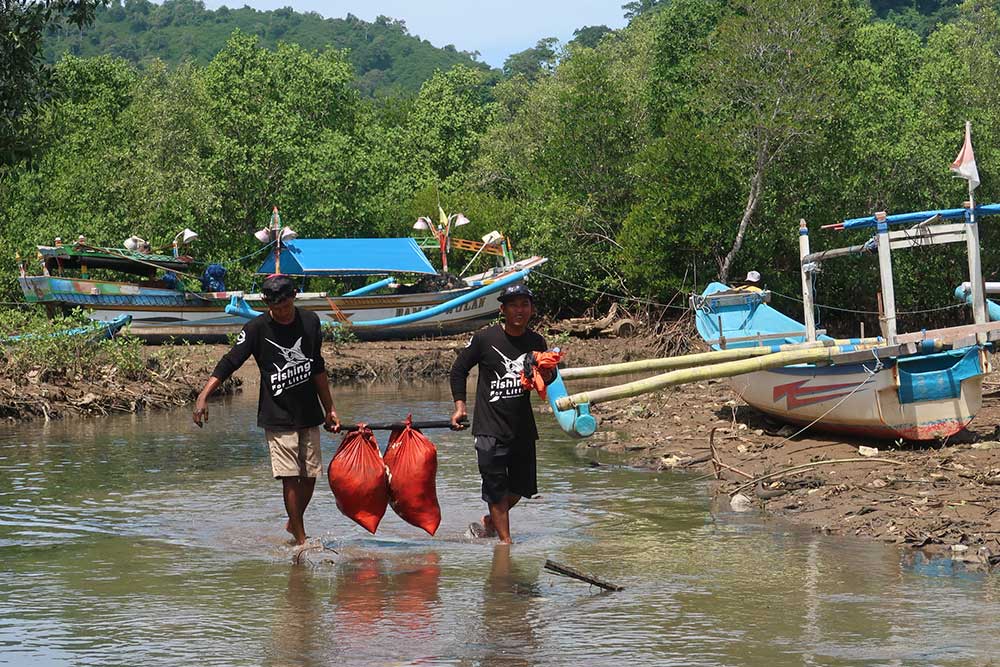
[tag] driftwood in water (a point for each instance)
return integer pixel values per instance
(566, 571)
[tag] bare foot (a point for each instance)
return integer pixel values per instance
(293, 541)
(488, 526)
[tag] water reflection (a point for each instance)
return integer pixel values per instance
(297, 631)
(508, 624)
(382, 599)
(131, 541)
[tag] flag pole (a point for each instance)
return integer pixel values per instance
(975, 260)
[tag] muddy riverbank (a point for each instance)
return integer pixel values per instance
(941, 497)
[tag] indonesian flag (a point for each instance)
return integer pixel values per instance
(965, 164)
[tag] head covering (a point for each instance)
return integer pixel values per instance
(277, 287)
(513, 291)
(753, 277)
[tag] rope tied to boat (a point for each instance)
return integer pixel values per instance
(871, 312)
(871, 372)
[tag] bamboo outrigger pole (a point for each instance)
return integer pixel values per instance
(725, 369)
(714, 357)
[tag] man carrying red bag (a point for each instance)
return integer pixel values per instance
(294, 392)
(503, 424)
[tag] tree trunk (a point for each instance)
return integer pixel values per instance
(752, 200)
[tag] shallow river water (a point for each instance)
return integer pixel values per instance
(142, 540)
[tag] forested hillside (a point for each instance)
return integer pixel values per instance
(649, 160)
(386, 57)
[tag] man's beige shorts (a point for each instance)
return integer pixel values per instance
(295, 453)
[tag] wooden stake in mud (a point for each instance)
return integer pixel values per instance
(715, 458)
(566, 571)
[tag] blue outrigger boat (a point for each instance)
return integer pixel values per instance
(384, 309)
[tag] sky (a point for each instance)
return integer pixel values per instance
(495, 28)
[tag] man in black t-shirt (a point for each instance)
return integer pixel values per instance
(503, 425)
(294, 392)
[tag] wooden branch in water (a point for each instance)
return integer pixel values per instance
(566, 571)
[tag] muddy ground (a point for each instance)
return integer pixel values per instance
(942, 497)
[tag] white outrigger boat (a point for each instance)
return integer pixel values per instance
(921, 385)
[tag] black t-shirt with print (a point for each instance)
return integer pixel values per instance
(288, 356)
(503, 407)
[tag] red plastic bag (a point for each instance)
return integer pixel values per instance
(539, 361)
(412, 462)
(359, 480)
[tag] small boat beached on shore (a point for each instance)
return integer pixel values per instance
(922, 385)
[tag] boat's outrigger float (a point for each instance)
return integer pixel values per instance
(917, 386)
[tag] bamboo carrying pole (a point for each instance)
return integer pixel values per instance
(725, 369)
(703, 358)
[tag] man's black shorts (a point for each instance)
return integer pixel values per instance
(507, 468)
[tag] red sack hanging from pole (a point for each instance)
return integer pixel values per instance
(359, 480)
(412, 462)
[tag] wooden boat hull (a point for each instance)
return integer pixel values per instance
(848, 399)
(158, 313)
(919, 397)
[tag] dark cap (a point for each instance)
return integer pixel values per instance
(514, 291)
(277, 288)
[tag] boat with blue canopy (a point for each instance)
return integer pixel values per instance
(400, 295)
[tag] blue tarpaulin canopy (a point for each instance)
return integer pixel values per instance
(349, 257)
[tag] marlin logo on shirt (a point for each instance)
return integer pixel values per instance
(507, 385)
(297, 368)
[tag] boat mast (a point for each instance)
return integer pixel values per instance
(975, 260)
(808, 314)
(885, 275)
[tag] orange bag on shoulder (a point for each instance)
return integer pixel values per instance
(412, 462)
(359, 480)
(539, 361)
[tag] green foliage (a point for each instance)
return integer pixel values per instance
(386, 57)
(338, 336)
(921, 17)
(447, 122)
(25, 80)
(278, 115)
(589, 36)
(534, 62)
(637, 8)
(644, 160)
(45, 352)
(672, 234)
